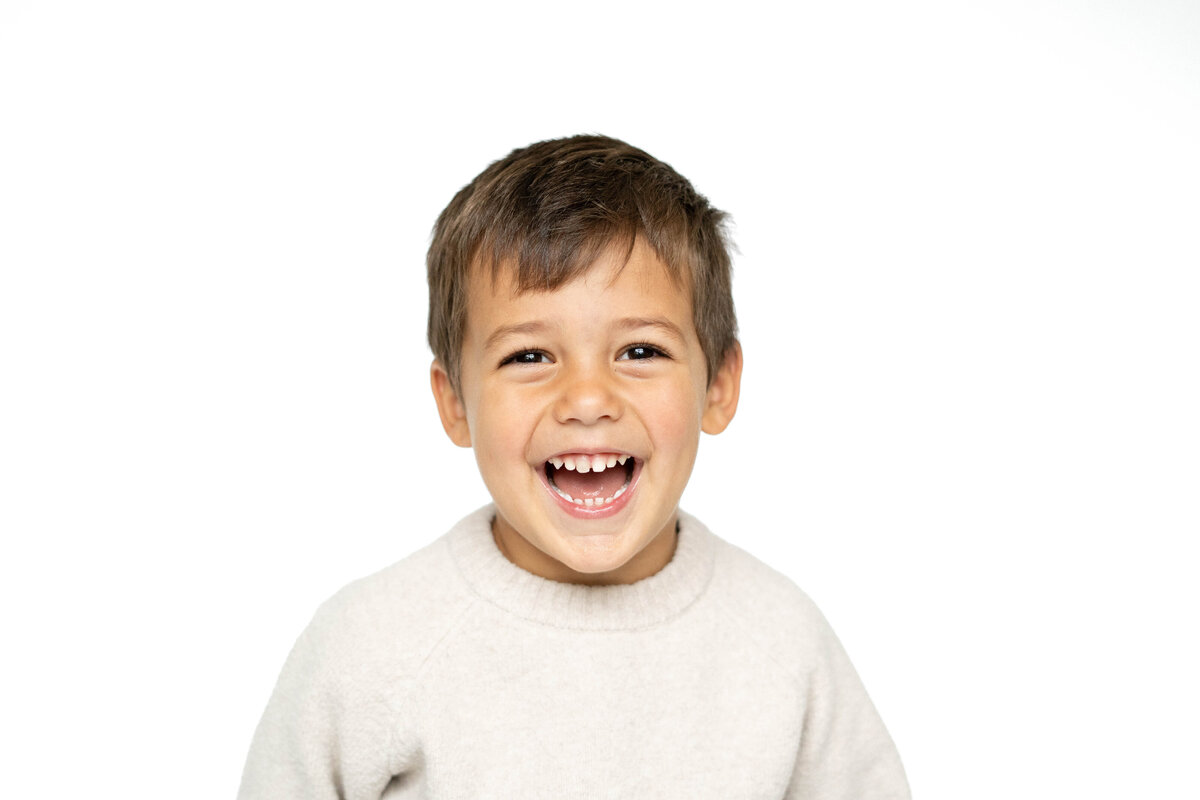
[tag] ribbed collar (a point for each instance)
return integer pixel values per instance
(643, 604)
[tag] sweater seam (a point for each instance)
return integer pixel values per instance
(404, 703)
(451, 629)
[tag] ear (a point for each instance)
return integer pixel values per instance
(450, 408)
(722, 399)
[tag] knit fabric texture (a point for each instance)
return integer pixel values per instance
(456, 674)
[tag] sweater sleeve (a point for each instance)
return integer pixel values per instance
(329, 730)
(845, 751)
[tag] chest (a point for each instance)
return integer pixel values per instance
(668, 713)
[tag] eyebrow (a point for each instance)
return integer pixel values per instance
(663, 324)
(626, 323)
(504, 331)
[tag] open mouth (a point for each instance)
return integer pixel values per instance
(591, 480)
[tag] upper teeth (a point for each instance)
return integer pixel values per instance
(589, 463)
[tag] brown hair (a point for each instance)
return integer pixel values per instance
(553, 208)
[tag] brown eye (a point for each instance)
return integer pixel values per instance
(526, 357)
(641, 352)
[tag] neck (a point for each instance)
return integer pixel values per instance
(657, 553)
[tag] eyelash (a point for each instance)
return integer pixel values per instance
(653, 351)
(515, 357)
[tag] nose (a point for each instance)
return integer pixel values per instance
(587, 395)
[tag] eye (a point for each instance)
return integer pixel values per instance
(526, 357)
(641, 352)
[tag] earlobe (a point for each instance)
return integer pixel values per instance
(722, 399)
(450, 407)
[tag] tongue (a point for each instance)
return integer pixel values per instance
(595, 485)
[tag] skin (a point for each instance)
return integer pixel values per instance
(609, 362)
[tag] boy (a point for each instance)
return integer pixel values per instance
(581, 637)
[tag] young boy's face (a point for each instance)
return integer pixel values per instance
(603, 370)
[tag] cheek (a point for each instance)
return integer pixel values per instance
(673, 416)
(501, 426)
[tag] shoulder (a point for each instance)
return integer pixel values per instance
(339, 710)
(769, 608)
(395, 616)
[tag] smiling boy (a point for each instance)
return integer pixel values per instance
(558, 384)
(581, 636)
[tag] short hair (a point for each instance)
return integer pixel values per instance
(553, 208)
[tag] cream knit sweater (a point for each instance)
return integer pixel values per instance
(456, 674)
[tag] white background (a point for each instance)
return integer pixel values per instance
(968, 298)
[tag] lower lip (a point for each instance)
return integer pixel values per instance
(595, 512)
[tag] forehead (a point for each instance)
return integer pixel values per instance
(621, 282)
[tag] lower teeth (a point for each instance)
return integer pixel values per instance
(588, 501)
